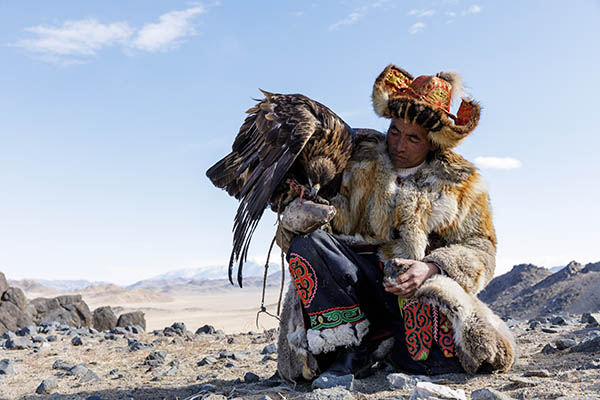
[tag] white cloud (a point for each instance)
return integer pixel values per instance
(416, 28)
(474, 9)
(349, 20)
(498, 162)
(356, 15)
(165, 34)
(451, 14)
(75, 38)
(76, 41)
(422, 13)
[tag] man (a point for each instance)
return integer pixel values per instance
(412, 243)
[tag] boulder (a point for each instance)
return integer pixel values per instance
(69, 310)
(104, 319)
(16, 296)
(428, 390)
(132, 318)
(3, 284)
(12, 318)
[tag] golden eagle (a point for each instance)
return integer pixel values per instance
(287, 143)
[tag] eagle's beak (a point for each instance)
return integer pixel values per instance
(315, 190)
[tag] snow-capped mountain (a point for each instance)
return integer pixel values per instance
(196, 275)
(65, 285)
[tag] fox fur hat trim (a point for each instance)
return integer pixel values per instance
(425, 101)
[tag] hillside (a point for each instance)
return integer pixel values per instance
(528, 291)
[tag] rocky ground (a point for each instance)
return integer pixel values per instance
(560, 358)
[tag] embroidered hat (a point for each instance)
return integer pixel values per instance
(425, 100)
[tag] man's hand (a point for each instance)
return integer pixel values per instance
(406, 284)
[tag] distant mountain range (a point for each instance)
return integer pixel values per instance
(68, 285)
(528, 291)
(186, 279)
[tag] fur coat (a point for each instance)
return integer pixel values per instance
(439, 214)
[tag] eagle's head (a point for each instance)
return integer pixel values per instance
(320, 171)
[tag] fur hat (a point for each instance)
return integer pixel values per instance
(425, 100)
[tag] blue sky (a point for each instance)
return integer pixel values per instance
(111, 112)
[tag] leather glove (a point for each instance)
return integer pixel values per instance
(302, 218)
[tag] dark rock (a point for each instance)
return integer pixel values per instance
(562, 344)
(240, 356)
(231, 364)
(76, 341)
(38, 339)
(179, 327)
(47, 386)
(89, 376)
(15, 296)
(549, 349)
(135, 329)
(489, 394)
(267, 358)
(29, 330)
(20, 343)
(52, 338)
(110, 336)
(104, 318)
(559, 320)
(520, 382)
(62, 327)
(207, 329)
(535, 324)
(60, 364)
(132, 318)
(587, 346)
(119, 331)
(156, 358)
(95, 397)
(78, 370)
(9, 335)
(206, 361)
(269, 349)
(226, 354)
(251, 377)
(7, 367)
(69, 310)
(325, 381)
(593, 319)
(134, 345)
(549, 330)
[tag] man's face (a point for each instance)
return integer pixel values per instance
(408, 144)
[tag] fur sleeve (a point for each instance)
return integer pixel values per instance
(468, 250)
(344, 219)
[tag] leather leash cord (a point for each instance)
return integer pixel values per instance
(263, 309)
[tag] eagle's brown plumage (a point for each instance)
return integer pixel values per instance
(285, 136)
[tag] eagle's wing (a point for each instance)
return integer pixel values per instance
(267, 144)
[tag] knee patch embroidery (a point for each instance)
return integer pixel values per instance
(304, 278)
(335, 317)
